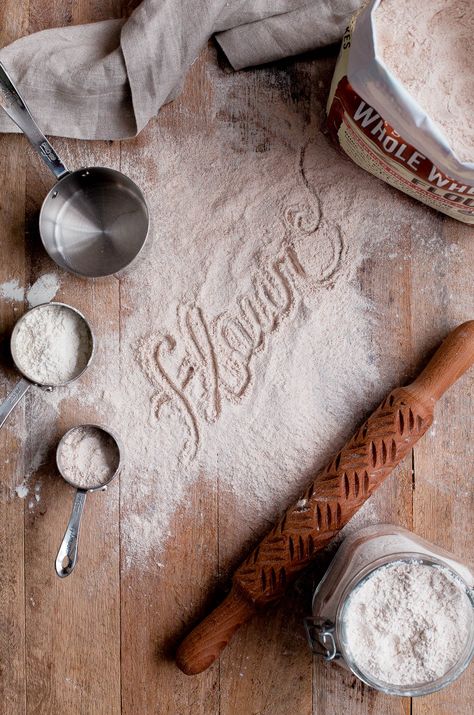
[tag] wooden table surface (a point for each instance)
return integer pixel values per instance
(102, 644)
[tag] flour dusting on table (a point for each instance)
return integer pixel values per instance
(247, 350)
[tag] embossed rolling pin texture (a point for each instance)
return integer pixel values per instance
(334, 496)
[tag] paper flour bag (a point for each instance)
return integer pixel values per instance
(381, 127)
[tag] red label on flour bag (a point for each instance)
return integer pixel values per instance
(382, 129)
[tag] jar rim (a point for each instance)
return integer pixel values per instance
(364, 574)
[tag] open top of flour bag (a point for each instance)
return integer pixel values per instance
(375, 112)
(373, 80)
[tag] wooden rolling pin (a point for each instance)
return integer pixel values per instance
(334, 496)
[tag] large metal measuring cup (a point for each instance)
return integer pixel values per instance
(94, 221)
(67, 554)
(22, 387)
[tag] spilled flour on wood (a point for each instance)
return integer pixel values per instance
(247, 352)
(43, 290)
(12, 291)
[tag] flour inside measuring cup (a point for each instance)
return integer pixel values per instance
(52, 345)
(88, 457)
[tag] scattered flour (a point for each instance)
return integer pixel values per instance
(88, 457)
(52, 345)
(43, 290)
(12, 291)
(247, 351)
(427, 45)
(408, 623)
(22, 490)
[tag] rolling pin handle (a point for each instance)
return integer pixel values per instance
(454, 356)
(206, 642)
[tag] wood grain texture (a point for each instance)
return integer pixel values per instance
(387, 283)
(158, 604)
(443, 495)
(12, 619)
(13, 20)
(60, 615)
(84, 608)
(104, 643)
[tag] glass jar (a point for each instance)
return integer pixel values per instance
(358, 557)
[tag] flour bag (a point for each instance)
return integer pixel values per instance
(377, 118)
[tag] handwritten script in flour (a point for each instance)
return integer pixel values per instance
(209, 360)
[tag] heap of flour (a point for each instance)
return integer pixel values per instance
(408, 623)
(427, 46)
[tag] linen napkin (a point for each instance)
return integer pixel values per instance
(105, 80)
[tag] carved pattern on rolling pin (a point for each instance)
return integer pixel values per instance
(336, 493)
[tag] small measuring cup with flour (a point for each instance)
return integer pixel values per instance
(88, 458)
(51, 345)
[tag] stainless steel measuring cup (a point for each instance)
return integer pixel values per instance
(22, 387)
(94, 222)
(67, 554)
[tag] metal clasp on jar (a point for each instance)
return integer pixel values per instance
(321, 639)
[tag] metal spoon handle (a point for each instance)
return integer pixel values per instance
(15, 106)
(67, 554)
(20, 389)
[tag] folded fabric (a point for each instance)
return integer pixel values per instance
(105, 80)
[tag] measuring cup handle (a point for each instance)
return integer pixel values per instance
(67, 554)
(15, 106)
(20, 389)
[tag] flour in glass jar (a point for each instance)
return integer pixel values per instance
(408, 623)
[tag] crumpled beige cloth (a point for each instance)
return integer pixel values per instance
(105, 80)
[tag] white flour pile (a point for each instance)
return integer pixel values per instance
(427, 45)
(88, 457)
(52, 345)
(408, 623)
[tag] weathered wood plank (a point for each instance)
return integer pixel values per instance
(385, 280)
(12, 604)
(72, 625)
(164, 593)
(13, 21)
(443, 496)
